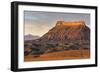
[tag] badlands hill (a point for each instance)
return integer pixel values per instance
(67, 31)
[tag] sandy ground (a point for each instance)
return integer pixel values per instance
(64, 55)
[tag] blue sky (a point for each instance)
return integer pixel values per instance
(38, 23)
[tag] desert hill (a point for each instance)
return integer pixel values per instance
(67, 31)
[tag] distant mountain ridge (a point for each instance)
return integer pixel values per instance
(30, 37)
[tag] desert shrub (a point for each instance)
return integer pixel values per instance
(74, 47)
(51, 45)
(26, 53)
(66, 48)
(39, 49)
(63, 46)
(25, 45)
(66, 43)
(86, 46)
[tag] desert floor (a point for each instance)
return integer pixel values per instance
(63, 55)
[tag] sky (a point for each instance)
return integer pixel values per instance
(38, 23)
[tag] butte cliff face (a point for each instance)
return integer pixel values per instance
(67, 32)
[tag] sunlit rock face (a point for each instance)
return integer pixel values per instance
(67, 31)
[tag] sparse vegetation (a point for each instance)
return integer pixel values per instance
(39, 49)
